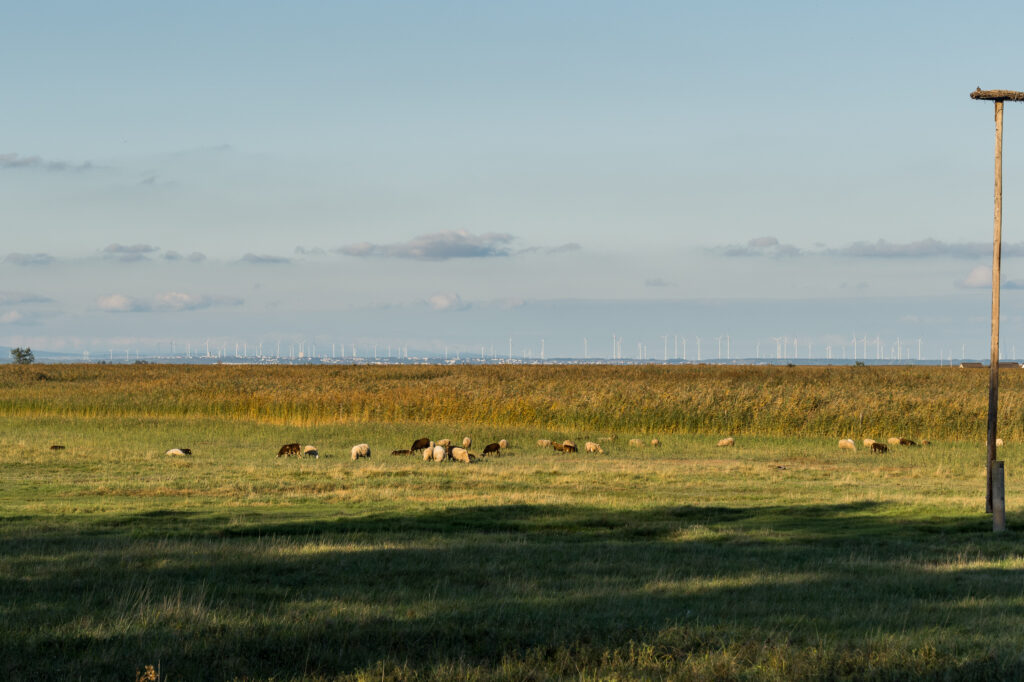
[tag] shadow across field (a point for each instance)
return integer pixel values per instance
(510, 590)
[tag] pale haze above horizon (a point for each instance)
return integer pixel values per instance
(449, 175)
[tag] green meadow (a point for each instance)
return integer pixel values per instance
(781, 558)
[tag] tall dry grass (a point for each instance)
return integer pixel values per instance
(921, 402)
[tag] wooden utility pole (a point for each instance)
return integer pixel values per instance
(995, 469)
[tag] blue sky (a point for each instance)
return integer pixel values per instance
(454, 173)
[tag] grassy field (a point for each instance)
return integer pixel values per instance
(780, 558)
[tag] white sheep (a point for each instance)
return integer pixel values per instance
(847, 444)
(176, 452)
(503, 444)
(868, 442)
(727, 442)
(635, 443)
(999, 442)
(894, 440)
(361, 450)
(311, 451)
(656, 443)
(544, 443)
(466, 442)
(439, 453)
(461, 455)
(593, 447)
(444, 441)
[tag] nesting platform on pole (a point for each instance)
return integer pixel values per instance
(998, 95)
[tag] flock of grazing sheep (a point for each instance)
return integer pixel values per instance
(432, 452)
(444, 450)
(875, 446)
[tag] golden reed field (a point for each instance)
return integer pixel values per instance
(936, 403)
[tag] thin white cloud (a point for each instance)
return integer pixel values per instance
(129, 253)
(446, 301)
(19, 297)
(438, 246)
(11, 317)
(658, 282)
(170, 302)
(262, 259)
(29, 259)
(761, 246)
(923, 248)
(12, 161)
(194, 257)
(980, 277)
(564, 248)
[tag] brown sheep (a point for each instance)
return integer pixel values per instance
(420, 444)
(569, 446)
(557, 447)
(491, 447)
(879, 447)
(289, 449)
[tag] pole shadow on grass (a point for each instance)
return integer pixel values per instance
(264, 597)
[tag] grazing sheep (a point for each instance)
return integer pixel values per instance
(401, 452)
(444, 441)
(557, 447)
(593, 447)
(360, 451)
(428, 454)
(656, 443)
(893, 440)
(491, 447)
(56, 447)
(907, 441)
(466, 442)
(847, 444)
(503, 444)
(461, 455)
(999, 442)
(544, 443)
(310, 451)
(868, 442)
(288, 449)
(727, 442)
(926, 442)
(420, 444)
(440, 453)
(879, 447)
(569, 446)
(635, 443)
(178, 452)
